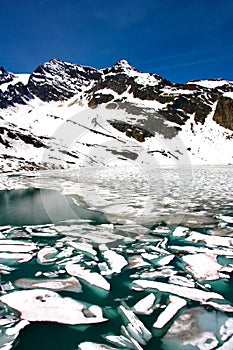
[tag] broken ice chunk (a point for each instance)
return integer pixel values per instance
(137, 261)
(180, 231)
(115, 261)
(212, 241)
(185, 292)
(47, 255)
(137, 327)
(71, 284)
(202, 266)
(94, 346)
(14, 246)
(226, 218)
(120, 340)
(175, 304)
(165, 260)
(85, 248)
(47, 306)
(144, 306)
(190, 332)
(93, 278)
(15, 258)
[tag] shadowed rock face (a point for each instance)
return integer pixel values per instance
(5, 76)
(224, 112)
(57, 80)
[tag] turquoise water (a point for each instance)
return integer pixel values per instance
(31, 211)
(34, 206)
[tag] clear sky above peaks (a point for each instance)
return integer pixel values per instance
(180, 40)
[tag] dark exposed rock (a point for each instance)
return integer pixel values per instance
(15, 94)
(5, 76)
(224, 112)
(134, 131)
(57, 80)
(99, 98)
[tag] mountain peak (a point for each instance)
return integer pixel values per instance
(123, 66)
(5, 76)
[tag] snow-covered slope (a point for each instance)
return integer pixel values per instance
(66, 115)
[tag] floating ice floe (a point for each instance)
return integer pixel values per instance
(226, 218)
(150, 256)
(137, 261)
(15, 258)
(10, 333)
(220, 307)
(94, 346)
(175, 304)
(134, 342)
(164, 272)
(135, 327)
(182, 281)
(185, 292)
(193, 249)
(165, 260)
(47, 255)
(212, 241)
(115, 261)
(5, 270)
(13, 246)
(88, 276)
(47, 306)
(85, 248)
(180, 231)
(199, 329)
(228, 345)
(69, 284)
(226, 329)
(120, 340)
(202, 266)
(145, 305)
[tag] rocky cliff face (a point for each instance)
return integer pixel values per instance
(56, 89)
(224, 112)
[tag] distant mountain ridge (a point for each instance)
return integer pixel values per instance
(199, 112)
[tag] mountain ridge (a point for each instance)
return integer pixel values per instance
(198, 109)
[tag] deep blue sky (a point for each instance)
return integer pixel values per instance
(178, 39)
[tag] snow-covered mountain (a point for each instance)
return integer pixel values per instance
(67, 115)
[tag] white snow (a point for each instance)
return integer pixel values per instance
(19, 78)
(212, 84)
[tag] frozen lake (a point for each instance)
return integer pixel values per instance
(147, 254)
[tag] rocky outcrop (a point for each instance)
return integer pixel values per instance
(57, 80)
(224, 112)
(15, 94)
(5, 76)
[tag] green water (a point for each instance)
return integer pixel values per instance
(35, 206)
